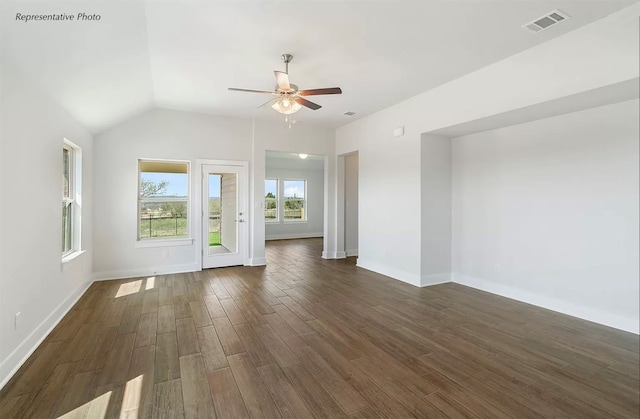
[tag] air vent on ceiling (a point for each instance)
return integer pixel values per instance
(349, 113)
(546, 21)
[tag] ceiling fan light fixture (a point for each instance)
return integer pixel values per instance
(286, 105)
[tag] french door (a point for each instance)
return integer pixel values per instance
(224, 214)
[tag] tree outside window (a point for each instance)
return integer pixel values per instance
(294, 200)
(163, 199)
(271, 200)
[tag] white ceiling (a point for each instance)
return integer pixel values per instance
(184, 55)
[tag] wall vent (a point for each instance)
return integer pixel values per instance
(546, 21)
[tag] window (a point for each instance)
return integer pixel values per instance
(71, 198)
(163, 194)
(294, 200)
(271, 200)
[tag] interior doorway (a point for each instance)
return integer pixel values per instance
(351, 204)
(295, 195)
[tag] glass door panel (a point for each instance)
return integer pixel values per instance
(223, 213)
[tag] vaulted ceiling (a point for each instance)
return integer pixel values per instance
(183, 55)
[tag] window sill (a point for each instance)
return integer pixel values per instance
(71, 256)
(294, 222)
(163, 243)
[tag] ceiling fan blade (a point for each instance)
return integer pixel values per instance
(283, 80)
(325, 91)
(235, 89)
(268, 103)
(308, 104)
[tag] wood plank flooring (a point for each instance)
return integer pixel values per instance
(306, 337)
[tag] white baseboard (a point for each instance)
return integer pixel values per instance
(575, 310)
(400, 275)
(293, 236)
(352, 252)
(435, 279)
(135, 273)
(409, 278)
(256, 262)
(333, 255)
(14, 361)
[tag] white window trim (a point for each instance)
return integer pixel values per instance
(277, 220)
(142, 242)
(75, 193)
(163, 242)
(306, 201)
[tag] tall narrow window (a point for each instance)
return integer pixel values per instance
(71, 197)
(67, 199)
(271, 200)
(163, 195)
(294, 200)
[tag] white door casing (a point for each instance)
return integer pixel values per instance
(224, 197)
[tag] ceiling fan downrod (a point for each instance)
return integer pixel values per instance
(286, 58)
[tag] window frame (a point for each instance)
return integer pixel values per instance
(72, 200)
(277, 200)
(166, 240)
(305, 205)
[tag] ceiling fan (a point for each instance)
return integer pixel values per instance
(289, 99)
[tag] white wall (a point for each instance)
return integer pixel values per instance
(547, 212)
(351, 204)
(388, 199)
(157, 134)
(313, 172)
(436, 210)
(600, 54)
(32, 279)
(165, 134)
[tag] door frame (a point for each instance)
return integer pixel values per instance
(198, 213)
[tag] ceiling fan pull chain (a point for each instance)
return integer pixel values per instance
(288, 120)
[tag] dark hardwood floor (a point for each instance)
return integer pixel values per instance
(306, 337)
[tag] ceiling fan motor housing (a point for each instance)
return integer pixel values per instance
(293, 89)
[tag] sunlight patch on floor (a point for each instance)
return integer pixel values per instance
(131, 399)
(96, 408)
(129, 288)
